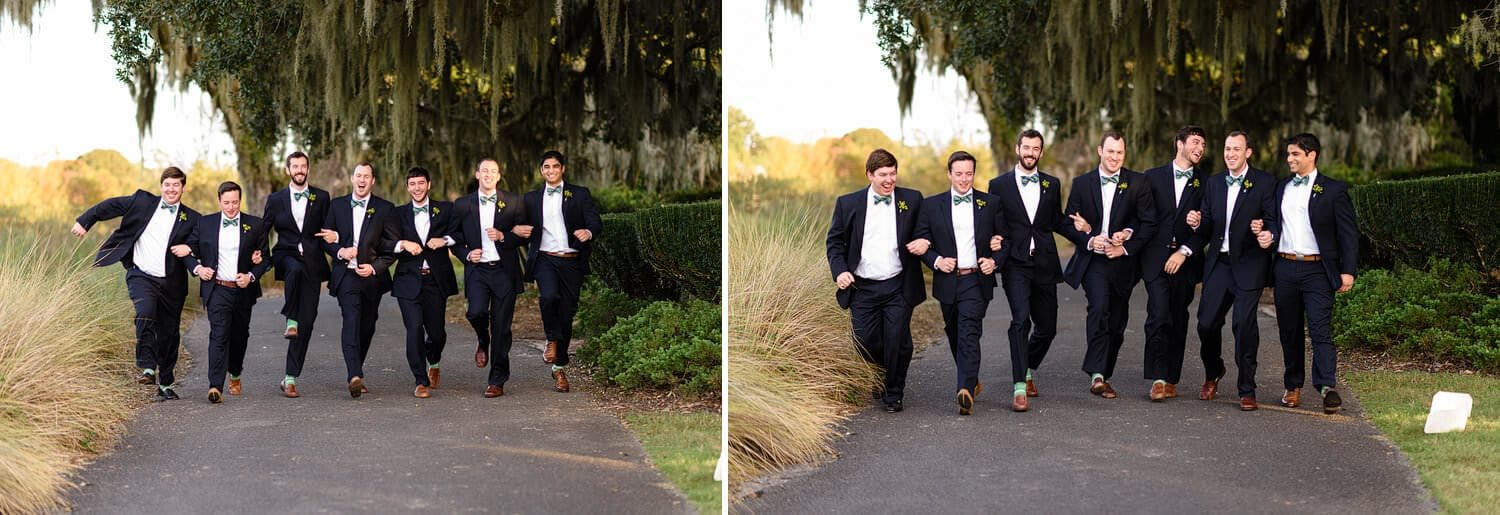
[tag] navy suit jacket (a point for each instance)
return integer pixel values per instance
(936, 225)
(278, 213)
(1247, 261)
(377, 236)
(1171, 221)
(204, 241)
(846, 238)
(408, 281)
(1333, 224)
(579, 212)
(510, 211)
(1132, 209)
(1013, 224)
(135, 212)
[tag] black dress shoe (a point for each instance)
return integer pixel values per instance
(168, 394)
(1332, 403)
(893, 406)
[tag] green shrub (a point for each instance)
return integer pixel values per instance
(683, 242)
(667, 345)
(619, 199)
(1441, 312)
(618, 261)
(1406, 222)
(600, 306)
(691, 195)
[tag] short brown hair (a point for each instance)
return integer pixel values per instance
(961, 156)
(363, 163)
(173, 172)
(481, 161)
(295, 155)
(1109, 135)
(1030, 134)
(228, 186)
(880, 158)
(1241, 134)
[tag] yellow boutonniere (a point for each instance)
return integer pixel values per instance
(979, 203)
(567, 194)
(1123, 186)
(1195, 183)
(182, 216)
(312, 197)
(1249, 185)
(369, 212)
(434, 210)
(246, 227)
(1317, 188)
(901, 206)
(501, 204)
(1046, 184)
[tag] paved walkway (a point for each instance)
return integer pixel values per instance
(1078, 453)
(531, 451)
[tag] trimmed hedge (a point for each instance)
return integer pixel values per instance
(618, 261)
(1442, 312)
(683, 243)
(1408, 222)
(667, 345)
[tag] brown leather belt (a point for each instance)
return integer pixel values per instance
(965, 271)
(425, 271)
(227, 284)
(562, 254)
(1295, 257)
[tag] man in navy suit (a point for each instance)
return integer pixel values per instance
(1028, 209)
(1116, 201)
(958, 224)
(227, 256)
(1230, 231)
(153, 233)
(558, 257)
(1318, 251)
(874, 262)
(295, 214)
(361, 231)
(1176, 189)
(489, 228)
(424, 278)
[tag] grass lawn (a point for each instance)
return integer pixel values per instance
(685, 448)
(1461, 469)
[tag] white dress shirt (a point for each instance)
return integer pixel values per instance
(359, 223)
(1031, 196)
(1234, 193)
(1179, 183)
(423, 221)
(554, 230)
(150, 251)
(963, 230)
(1297, 237)
(299, 209)
(880, 257)
(1107, 195)
(486, 221)
(229, 250)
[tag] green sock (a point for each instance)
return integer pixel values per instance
(148, 371)
(1029, 371)
(1324, 390)
(556, 368)
(291, 324)
(431, 366)
(1158, 381)
(289, 380)
(234, 377)
(1020, 388)
(1096, 377)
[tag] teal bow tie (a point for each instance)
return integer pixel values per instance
(1231, 181)
(882, 199)
(169, 207)
(1107, 180)
(415, 209)
(358, 203)
(299, 195)
(487, 200)
(1182, 174)
(552, 191)
(1028, 179)
(1298, 180)
(230, 221)
(962, 198)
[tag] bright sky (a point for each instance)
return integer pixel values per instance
(825, 79)
(60, 99)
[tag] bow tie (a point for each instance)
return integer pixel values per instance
(553, 191)
(1231, 181)
(418, 209)
(487, 200)
(1106, 180)
(1182, 174)
(358, 203)
(169, 207)
(1028, 179)
(230, 221)
(299, 195)
(882, 199)
(1298, 180)
(962, 198)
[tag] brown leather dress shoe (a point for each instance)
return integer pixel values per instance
(965, 402)
(214, 396)
(481, 358)
(364, 389)
(433, 375)
(978, 387)
(290, 390)
(1209, 391)
(1292, 398)
(1332, 403)
(421, 392)
(356, 387)
(1247, 403)
(562, 381)
(234, 386)
(1109, 391)
(1103, 389)
(1020, 403)
(493, 391)
(1031, 389)
(1158, 392)
(550, 355)
(290, 334)
(1171, 391)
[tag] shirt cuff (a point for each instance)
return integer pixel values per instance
(1185, 251)
(448, 241)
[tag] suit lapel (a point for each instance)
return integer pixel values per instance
(212, 238)
(861, 206)
(1095, 196)
(945, 208)
(1117, 205)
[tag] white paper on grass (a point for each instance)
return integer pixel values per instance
(1450, 412)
